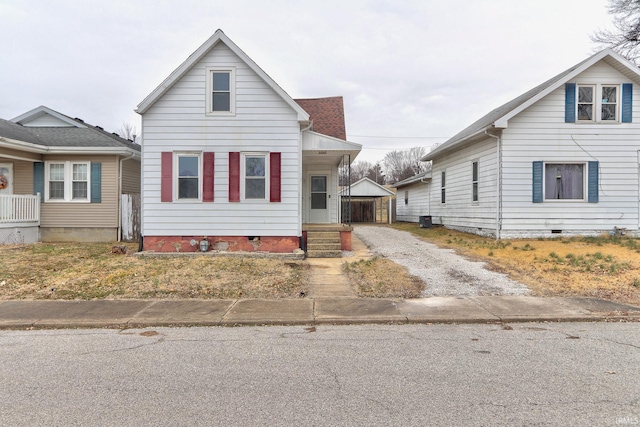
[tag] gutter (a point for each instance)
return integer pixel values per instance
(498, 183)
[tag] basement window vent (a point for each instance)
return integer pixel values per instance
(556, 231)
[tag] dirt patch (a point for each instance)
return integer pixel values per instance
(91, 271)
(602, 267)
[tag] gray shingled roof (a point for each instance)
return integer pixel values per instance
(79, 137)
(413, 179)
(14, 131)
(488, 119)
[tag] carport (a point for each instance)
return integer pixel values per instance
(365, 201)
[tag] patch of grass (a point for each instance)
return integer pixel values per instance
(91, 271)
(381, 278)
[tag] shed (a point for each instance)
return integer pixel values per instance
(364, 200)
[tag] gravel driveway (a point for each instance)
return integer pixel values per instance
(444, 272)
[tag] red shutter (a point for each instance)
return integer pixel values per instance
(274, 177)
(207, 177)
(166, 177)
(234, 177)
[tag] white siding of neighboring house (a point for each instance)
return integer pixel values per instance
(263, 123)
(419, 195)
(459, 211)
(540, 134)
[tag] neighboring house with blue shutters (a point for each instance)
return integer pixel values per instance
(78, 170)
(563, 158)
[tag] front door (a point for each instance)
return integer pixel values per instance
(319, 212)
(6, 178)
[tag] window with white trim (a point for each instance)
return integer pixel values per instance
(255, 176)
(474, 182)
(188, 175)
(564, 181)
(67, 181)
(598, 103)
(220, 88)
(406, 197)
(442, 187)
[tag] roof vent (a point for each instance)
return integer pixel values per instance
(98, 127)
(113, 133)
(78, 119)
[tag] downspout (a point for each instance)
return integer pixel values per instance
(498, 183)
(120, 195)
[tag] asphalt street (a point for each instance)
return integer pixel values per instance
(439, 375)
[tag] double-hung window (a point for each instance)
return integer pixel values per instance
(255, 176)
(474, 182)
(67, 181)
(220, 89)
(188, 176)
(598, 103)
(564, 181)
(443, 182)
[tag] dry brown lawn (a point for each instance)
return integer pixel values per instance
(382, 278)
(602, 267)
(90, 270)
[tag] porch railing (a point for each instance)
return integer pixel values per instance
(19, 208)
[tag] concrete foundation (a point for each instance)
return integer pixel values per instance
(79, 234)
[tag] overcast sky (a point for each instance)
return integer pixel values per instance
(412, 73)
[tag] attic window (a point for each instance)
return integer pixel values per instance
(598, 103)
(220, 91)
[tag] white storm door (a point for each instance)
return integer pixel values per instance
(319, 209)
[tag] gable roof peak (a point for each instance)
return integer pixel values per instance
(218, 37)
(500, 116)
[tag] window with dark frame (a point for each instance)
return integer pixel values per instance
(188, 176)
(221, 91)
(406, 197)
(442, 187)
(255, 175)
(474, 181)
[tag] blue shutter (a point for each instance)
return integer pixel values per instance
(96, 182)
(592, 185)
(570, 103)
(38, 179)
(537, 182)
(627, 102)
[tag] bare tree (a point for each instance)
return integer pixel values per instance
(376, 174)
(128, 131)
(399, 165)
(625, 39)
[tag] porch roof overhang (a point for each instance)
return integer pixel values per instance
(32, 149)
(322, 149)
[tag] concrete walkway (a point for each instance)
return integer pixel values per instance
(330, 301)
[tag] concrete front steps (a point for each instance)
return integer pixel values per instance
(323, 244)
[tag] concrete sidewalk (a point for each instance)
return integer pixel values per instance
(305, 311)
(330, 300)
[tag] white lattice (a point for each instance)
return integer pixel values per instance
(16, 236)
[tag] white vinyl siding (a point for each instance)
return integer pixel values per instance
(103, 214)
(418, 205)
(263, 122)
(458, 212)
(540, 134)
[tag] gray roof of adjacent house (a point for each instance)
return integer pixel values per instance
(499, 116)
(78, 137)
(413, 179)
(14, 131)
(70, 133)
